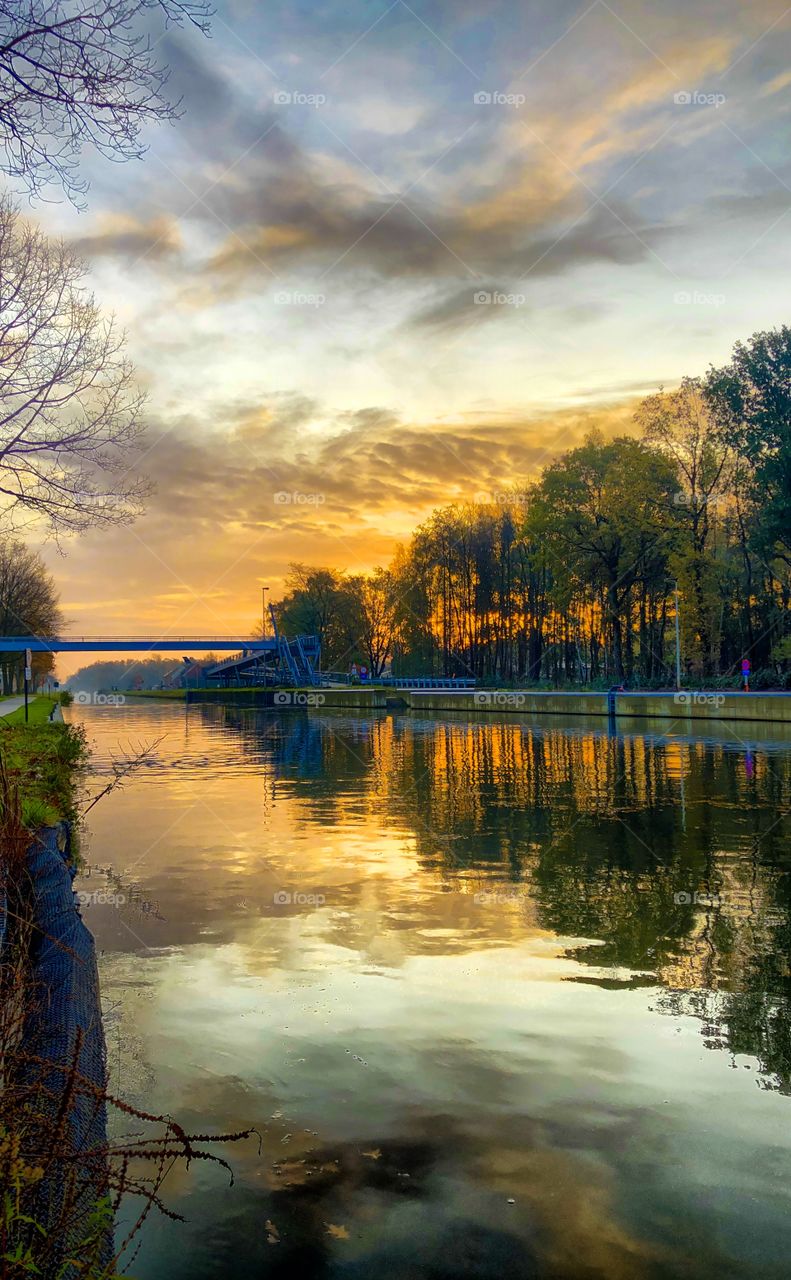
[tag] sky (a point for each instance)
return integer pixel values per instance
(398, 254)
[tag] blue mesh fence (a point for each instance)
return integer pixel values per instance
(63, 1044)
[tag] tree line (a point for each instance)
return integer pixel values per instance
(574, 577)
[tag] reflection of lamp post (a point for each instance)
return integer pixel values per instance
(678, 638)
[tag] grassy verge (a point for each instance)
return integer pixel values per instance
(39, 710)
(41, 760)
(157, 693)
(201, 695)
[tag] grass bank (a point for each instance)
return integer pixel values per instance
(40, 761)
(202, 695)
(168, 694)
(39, 711)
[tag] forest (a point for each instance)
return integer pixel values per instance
(572, 578)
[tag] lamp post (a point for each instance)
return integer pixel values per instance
(263, 613)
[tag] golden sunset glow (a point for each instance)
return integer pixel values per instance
(386, 261)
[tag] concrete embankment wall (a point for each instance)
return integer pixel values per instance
(687, 706)
(524, 702)
(369, 697)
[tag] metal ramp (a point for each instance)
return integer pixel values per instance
(233, 670)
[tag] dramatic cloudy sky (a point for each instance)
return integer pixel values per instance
(396, 254)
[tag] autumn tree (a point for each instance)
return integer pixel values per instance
(316, 603)
(414, 644)
(605, 512)
(751, 400)
(373, 607)
(681, 424)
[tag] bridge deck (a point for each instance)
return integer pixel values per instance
(128, 644)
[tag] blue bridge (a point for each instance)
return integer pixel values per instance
(130, 644)
(272, 660)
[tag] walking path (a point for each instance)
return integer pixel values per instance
(11, 704)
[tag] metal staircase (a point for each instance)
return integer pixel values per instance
(296, 657)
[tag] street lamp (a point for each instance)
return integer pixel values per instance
(263, 612)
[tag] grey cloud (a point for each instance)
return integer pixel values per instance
(126, 238)
(463, 306)
(301, 225)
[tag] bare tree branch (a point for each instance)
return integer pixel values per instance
(74, 72)
(69, 408)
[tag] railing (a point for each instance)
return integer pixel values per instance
(60, 644)
(235, 639)
(52, 644)
(404, 682)
(428, 682)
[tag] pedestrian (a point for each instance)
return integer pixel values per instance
(746, 668)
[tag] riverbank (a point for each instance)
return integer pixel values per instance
(51, 1041)
(52, 1109)
(40, 761)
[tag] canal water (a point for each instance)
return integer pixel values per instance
(502, 998)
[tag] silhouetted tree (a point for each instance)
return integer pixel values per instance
(73, 73)
(69, 409)
(28, 607)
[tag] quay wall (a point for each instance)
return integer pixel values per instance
(690, 705)
(686, 706)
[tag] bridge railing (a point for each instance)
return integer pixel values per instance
(59, 644)
(428, 682)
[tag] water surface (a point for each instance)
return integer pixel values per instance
(502, 998)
